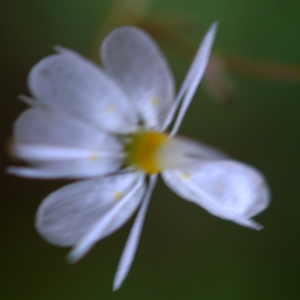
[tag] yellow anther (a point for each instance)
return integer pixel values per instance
(185, 175)
(117, 195)
(94, 156)
(142, 151)
(154, 101)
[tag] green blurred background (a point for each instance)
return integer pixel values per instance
(184, 253)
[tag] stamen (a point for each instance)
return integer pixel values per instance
(117, 195)
(142, 151)
(94, 156)
(185, 175)
(154, 102)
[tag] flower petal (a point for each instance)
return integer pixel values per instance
(75, 211)
(72, 85)
(179, 152)
(192, 80)
(62, 146)
(43, 126)
(132, 242)
(227, 189)
(134, 60)
(70, 169)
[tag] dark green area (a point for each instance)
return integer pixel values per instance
(184, 253)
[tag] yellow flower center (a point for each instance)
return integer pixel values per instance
(142, 151)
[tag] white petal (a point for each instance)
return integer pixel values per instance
(134, 237)
(134, 60)
(61, 146)
(227, 189)
(72, 85)
(71, 169)
(73, 212)
(192, 80)
(36, 152)
(179, 152)
(31, 173)
(47, 127)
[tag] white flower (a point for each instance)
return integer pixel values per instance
(106, 128)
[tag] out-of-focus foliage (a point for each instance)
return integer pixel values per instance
(184, 253)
